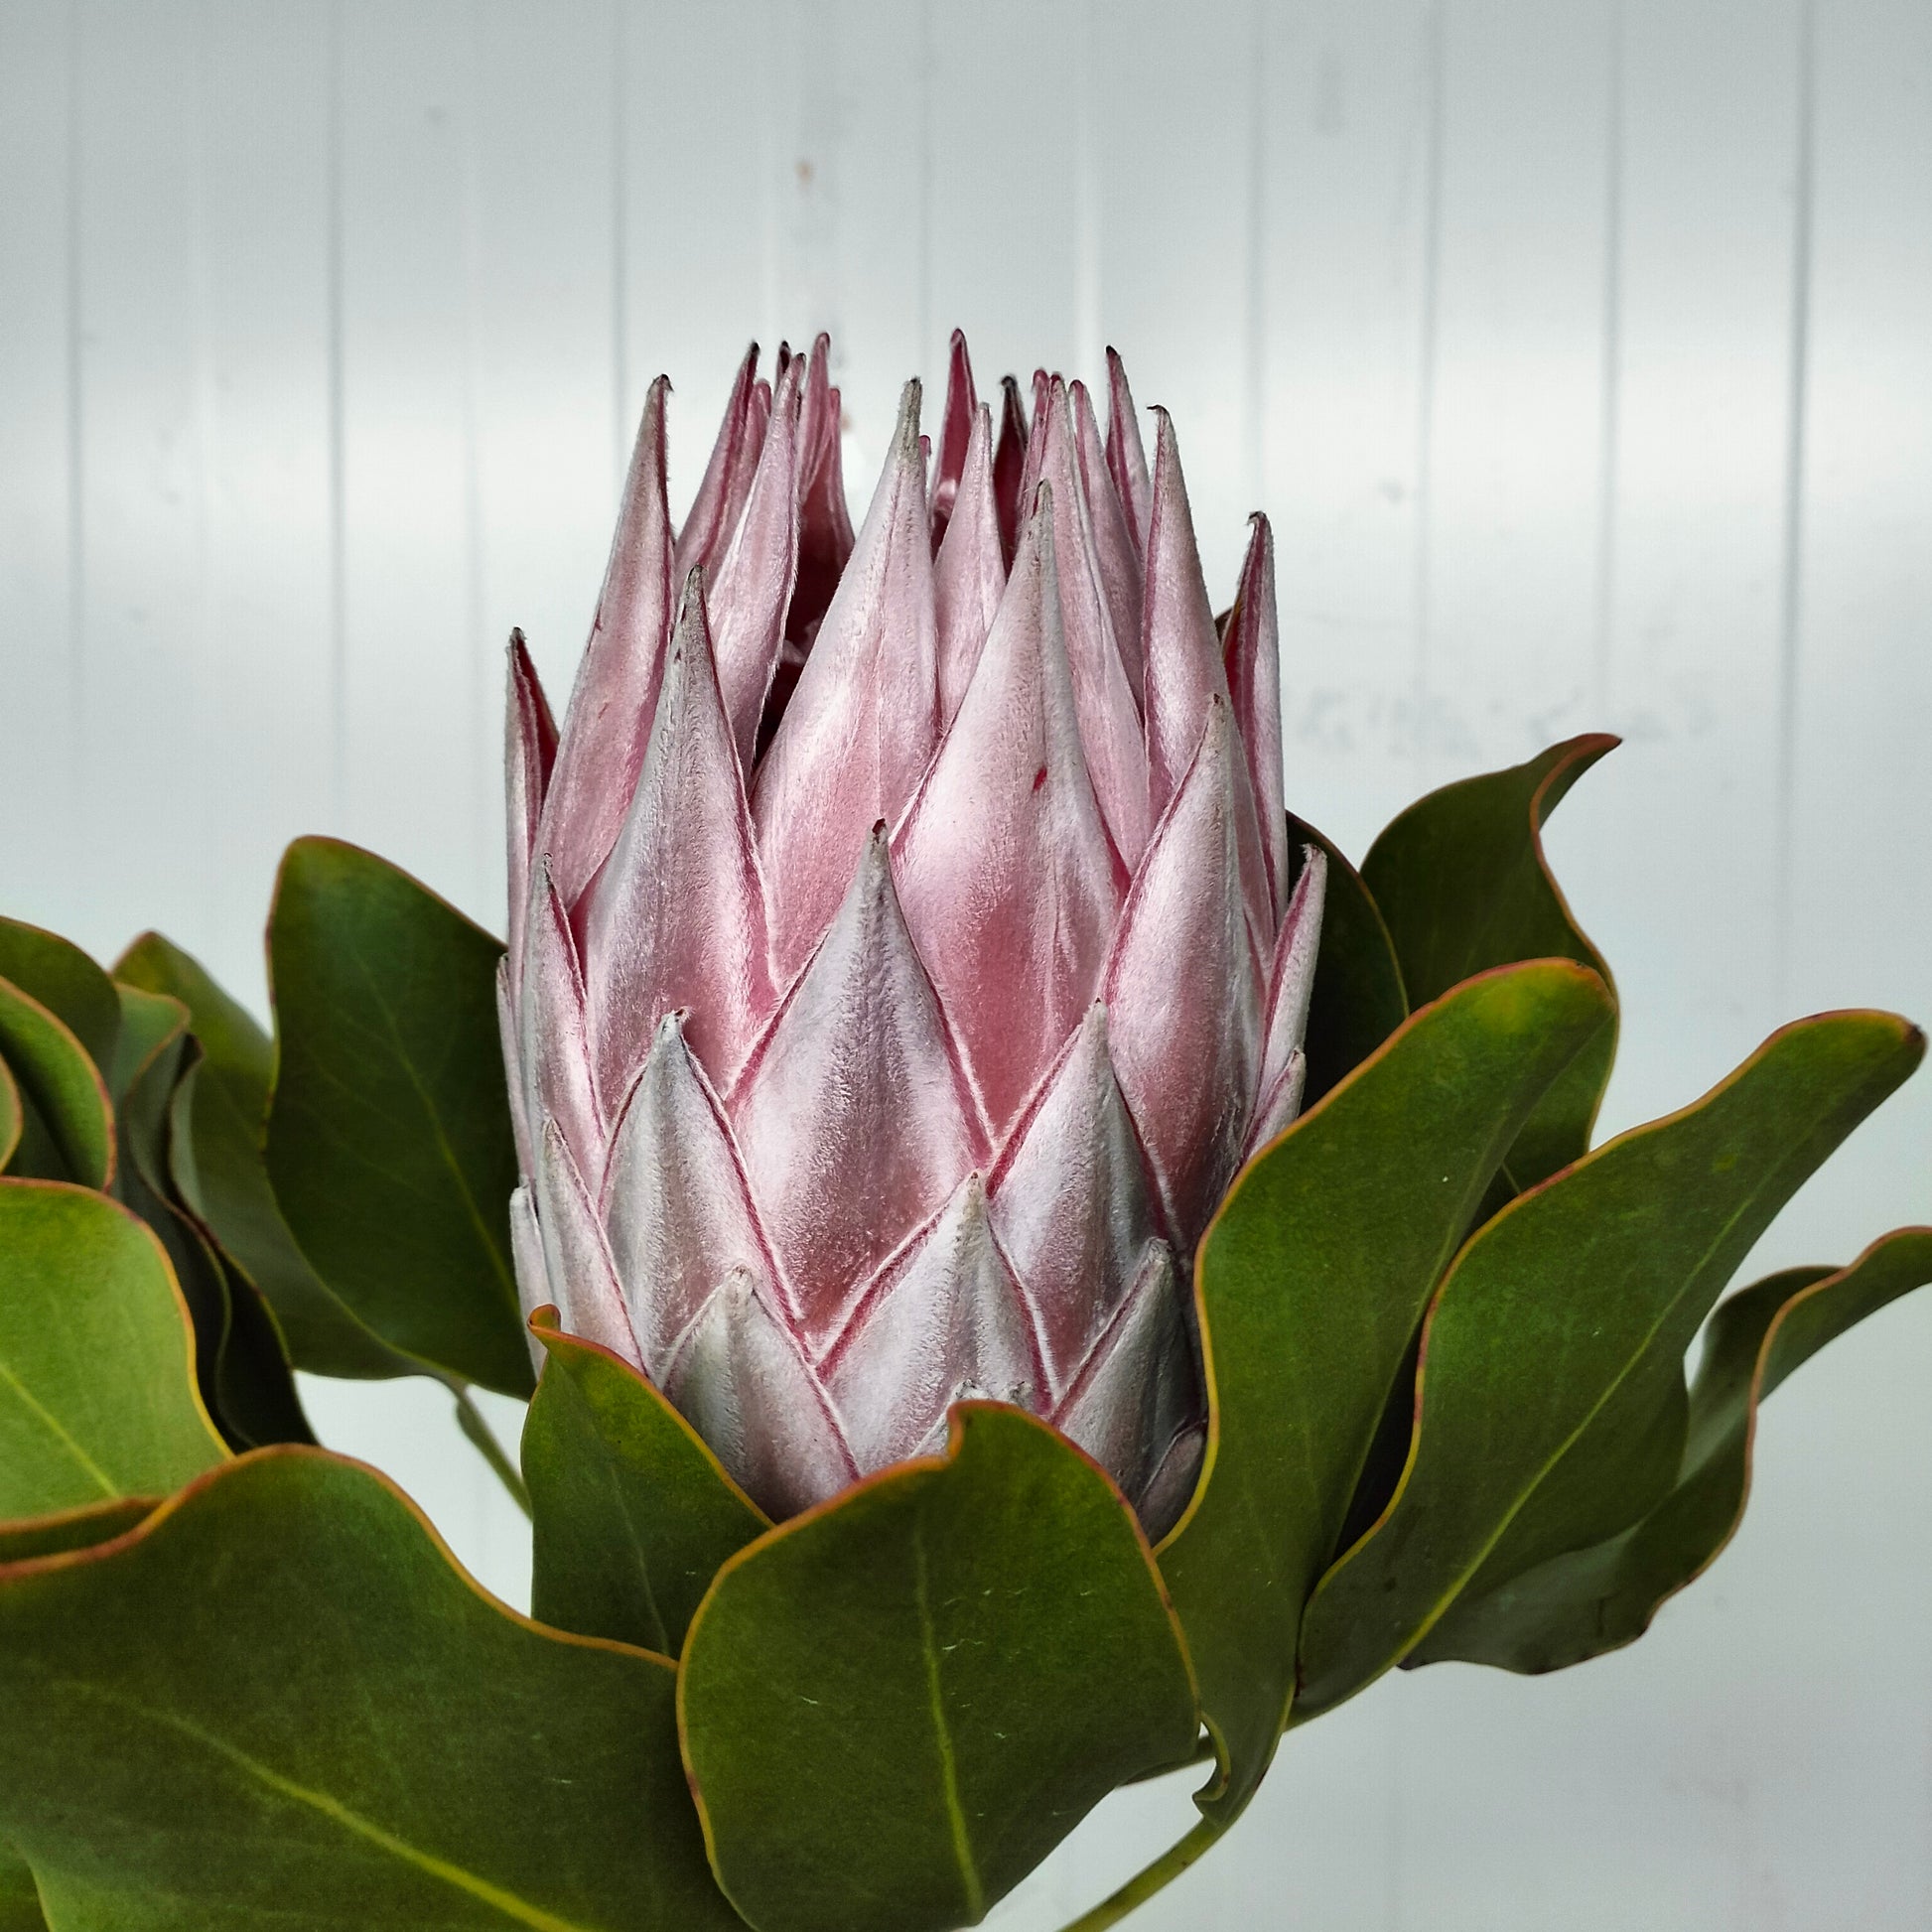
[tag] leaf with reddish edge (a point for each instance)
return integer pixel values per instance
(1585, 1602)
(10, 1116)
(894, 1706)
(1552, 1356)
(632, 1512)
(56, 973)
(1309, 1282)
(96, 1358)
(68, 1121)
(216, 1167)
(278, 1699)
(73, 1529)
(1461, 880)
(1359, 999)
(389, 1142)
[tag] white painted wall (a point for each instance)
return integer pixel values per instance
(1583, 355)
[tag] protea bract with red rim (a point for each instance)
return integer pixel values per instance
(905, 945)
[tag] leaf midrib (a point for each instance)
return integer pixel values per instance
(52, 1425)
(520, 1911)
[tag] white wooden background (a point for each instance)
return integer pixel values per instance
(1582, 351)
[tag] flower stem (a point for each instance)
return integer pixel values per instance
(469, 1420)
(1143, 1884)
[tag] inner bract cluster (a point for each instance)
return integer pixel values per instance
(903, 947)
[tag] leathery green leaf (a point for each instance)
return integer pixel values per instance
(389, 1143)
(1461, 880)
(97, 1397)
(1573, 1308)
(278, 1701)
(241, 1362)
(631, 1514)
(56, 973)
(73, 1529)
(68, 1123)
(1585, 1602)
(1310, 1283)
(895, 1705)
(1358, 998)
(219, 1113)
(9, 1116)
(19, 1898)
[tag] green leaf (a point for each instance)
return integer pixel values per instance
(1461, 880)
(632, 1513)
(216, 1164)
(897, 1703)
(278, 1702)
(56, 973)
(67, 1125)
(96, 1382)
(1573, 1307)
(1360, 1000)
(9, 1116)
(1311, 1281)
(241, 1366)
(389, 1133)
(20, 1899)
(1580, 1604)
(73, 1529)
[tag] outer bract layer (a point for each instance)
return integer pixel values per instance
(902, 952)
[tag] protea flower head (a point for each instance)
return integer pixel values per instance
(902, 951)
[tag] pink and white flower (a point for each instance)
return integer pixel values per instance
(904, 952)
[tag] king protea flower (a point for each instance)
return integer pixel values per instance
(902, 952)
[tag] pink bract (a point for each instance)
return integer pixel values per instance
(904, 956)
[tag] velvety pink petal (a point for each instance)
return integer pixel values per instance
(675, 1199)
(955, 433)
(739, 1381)
(533, 1289)
(608, 722)
(1010, 887)
(1126, 454)
(1184, 993)
(1184, 673)
(1070, 1201)
(823, 520)
(1010, 464)
(511, 1037)
(753, 592)
(824, 523)
(852, 1114)
(1033, 468)
(942, 1319)
(1291, 978)
(712, 518)
(1251, 651)
(969, 574)
(1281, 1102)
(1114, 548)
(1110, 721)
(678, 916)
(1140, 1387)
(558, 1074)
(582, 1278)
(865, 716)
(529, 754)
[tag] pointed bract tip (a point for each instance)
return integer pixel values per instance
(906, 436)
